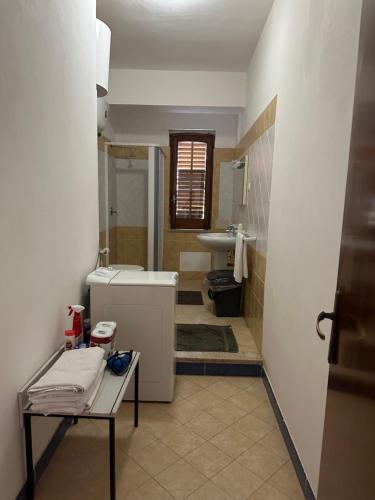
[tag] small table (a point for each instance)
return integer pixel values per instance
(105, 406)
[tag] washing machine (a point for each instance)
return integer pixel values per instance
(143, 305)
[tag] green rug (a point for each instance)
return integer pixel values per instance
(205, 338)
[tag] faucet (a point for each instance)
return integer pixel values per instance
(232, 229)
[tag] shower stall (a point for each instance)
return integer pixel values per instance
(131, 216)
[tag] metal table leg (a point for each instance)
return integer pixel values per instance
(136, 395)
(29, 457)
(112, 459)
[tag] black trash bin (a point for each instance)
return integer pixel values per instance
(225, 292)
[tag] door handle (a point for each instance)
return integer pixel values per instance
(322, 316)
(334, 340)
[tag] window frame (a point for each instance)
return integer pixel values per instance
(185, 223)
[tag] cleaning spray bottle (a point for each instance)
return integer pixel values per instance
(77, 322)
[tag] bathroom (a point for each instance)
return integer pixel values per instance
(266, 92)
(181, 249)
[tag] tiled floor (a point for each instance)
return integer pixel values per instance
(218, 440)
(205, 314)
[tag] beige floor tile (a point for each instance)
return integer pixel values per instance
(149, 491)
(274, 441)
(259, 389)
(261, 461)
(253, 427)
(160, 424)
(206, 426)
(242, 382)
(267, 492)
(231, 442)
(223, 389)
(89, 429)
(204, 381)
(265, 412)
(53, 483)
(209, 491)
(155, 457)
(135, 440)
(205, 399)
(208, 459)
(285, 480)
(182, 441)
(126, 410)
(237, 481)
(181, 479)
(186, 387)
(246, 401)
(183, 410)
(227, 412)
(129, 475)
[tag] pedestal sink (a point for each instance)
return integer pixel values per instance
(220, 242)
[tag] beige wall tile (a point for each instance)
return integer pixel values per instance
(263, 122)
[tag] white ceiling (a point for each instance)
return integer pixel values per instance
(212, 35)
(152, 123)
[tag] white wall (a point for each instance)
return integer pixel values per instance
(307, 56)
(152, 123)
(177, 88)
(48, 195)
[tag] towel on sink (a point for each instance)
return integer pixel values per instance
(240, 259)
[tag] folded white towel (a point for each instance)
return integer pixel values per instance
(240, 259)
(74, 372)
(69, 403)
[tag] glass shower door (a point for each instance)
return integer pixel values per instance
(127, 204)
(131, 202)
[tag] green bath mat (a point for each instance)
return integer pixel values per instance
(205, 338)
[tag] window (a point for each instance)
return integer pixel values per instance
(191, 180)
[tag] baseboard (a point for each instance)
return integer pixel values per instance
(302, 478)
(219, 369)
(47, 454)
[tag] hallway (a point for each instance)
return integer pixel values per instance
(218, 440)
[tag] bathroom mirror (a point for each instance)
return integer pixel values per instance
(226, 195)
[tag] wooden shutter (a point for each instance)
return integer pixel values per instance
(191, 179)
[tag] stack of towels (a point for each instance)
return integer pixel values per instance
(71, 384)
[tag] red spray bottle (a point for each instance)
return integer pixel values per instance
(77, 321)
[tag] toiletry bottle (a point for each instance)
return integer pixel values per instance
(86, 331)
(70, 339)
(77, 322)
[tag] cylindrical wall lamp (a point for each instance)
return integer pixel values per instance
(103, 49)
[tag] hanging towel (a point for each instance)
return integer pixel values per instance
(240, 259)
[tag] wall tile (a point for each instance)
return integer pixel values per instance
(258, 144)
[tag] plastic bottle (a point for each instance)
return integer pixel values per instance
(77, 322)
(70, 339)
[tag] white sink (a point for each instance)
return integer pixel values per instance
(217, 241)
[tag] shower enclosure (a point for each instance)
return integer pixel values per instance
(131, 204)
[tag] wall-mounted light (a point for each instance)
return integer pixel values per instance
(103, 49)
